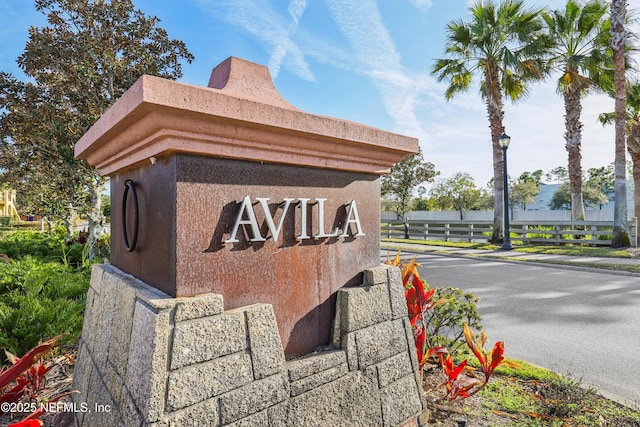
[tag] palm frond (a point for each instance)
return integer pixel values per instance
(506, 39)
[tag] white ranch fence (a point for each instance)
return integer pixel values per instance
(594, 233)
(516, 215)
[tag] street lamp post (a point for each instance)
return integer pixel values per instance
(504, 141)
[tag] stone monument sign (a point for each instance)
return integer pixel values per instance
(245, 287)
(241, 194)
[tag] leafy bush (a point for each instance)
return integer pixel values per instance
(444, 324)
(42, 289)
(43, 246)
(102, 248)
(39, 300)
(441, 312)
(54, 246)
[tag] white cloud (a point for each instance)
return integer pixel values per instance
(378, 58)
(361, 23)
(284, 43)
(273, 30)
(423, 5)
(296, 9)
(7, 9)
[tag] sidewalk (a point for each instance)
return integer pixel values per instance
(610, 264)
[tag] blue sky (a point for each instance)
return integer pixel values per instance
(362, 60)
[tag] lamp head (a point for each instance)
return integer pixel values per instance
(504, 140)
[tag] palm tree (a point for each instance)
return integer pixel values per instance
(620, 236)
(579, 54)
(503, 47)
(632, 128)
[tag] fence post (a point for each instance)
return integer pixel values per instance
(525, 233)
(446, 232)
(426, 230)
(558, 235)
(470, 233)
(594, 235)
(388, 230)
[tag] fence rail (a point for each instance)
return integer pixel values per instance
(595, 233)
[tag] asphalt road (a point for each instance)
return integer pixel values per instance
(581, 324)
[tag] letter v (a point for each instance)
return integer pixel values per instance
(275, 231)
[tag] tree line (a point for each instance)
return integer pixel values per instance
(461, 193)
(507, 46)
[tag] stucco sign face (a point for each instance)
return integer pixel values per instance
(246, 216)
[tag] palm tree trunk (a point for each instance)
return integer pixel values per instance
(496, 113)
(620, 237)
(573, 138)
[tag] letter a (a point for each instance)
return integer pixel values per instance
(251, 220)
(353, 211)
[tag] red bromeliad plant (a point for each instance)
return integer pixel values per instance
(25, 378)
(456, 386)
(462, 386)
(19, 372)
(488, 363)
(420, 301)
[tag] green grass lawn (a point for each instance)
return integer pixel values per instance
(574, 250)
(534, 396)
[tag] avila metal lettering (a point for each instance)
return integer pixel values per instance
(247, 216)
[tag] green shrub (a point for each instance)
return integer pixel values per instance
(43, 290)
(48, 247)
(444, 324)
(31, 243)
(40, 300)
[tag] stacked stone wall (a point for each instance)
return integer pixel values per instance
(157, 361)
